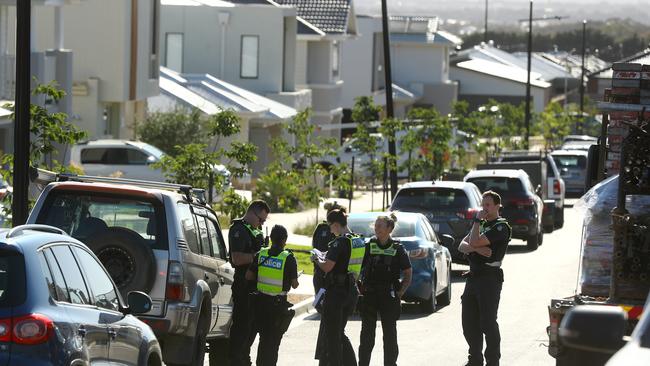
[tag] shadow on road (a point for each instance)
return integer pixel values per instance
(518, 249)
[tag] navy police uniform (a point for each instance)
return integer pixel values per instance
(333, 347)
(380, 283)
(244, 238)
(320, 240)
(274, 268)
(482, 293)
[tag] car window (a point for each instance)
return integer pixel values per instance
(77, 290)
(550, 167)
(136, 157)
(189, 228)
(501, 185)
(430, 198)
(57, 276)
(570, 161)
(93, 155)
(86, 215)
(421, 232)
(104, 294)
(427, 227)
(218, 247)
(203, 234)
(12, 279)
(366, 227)
(47, 273)
(116, 156)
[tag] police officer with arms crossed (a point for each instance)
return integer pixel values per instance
(486, 246)
(245, 238)
(342, 266)
(320, 240)
(276, 272)
(385, 260)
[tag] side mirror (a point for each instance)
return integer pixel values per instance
(594, 328)
(138, 302)
(151, 159)
(447, 240)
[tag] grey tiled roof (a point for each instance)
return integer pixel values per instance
(330, 16)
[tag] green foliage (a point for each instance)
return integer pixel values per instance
(165, 130)
(233, 205)
(192, 163)
(364, 112)
(302, 257)
(306, 228)
(286, 189)
(48, 131)
(429, 141)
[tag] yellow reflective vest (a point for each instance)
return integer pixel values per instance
(270, 272)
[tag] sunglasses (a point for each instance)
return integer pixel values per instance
(259, 218)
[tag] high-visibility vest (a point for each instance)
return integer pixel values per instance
(376, 250)
(254, 231)
(358, 250)
(270, 273)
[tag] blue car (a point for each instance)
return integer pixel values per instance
(58, 305)
(430, 260)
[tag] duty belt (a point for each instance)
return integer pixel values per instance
(496, 264)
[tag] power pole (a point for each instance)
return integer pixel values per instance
(392, 151)
(19, 206)
(530, 52)
(485, 32)
(582, 78)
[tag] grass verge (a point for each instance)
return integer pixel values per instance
(306, 228)
(304, 264)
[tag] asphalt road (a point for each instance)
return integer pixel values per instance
(531, 280)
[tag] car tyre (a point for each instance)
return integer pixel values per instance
(533, 241)
(559, 220)
(128, 259)
(219, 352)
(199, 340)
(549, 229)
(445, 298)
(429, 306)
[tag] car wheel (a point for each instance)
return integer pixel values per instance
(219, 352)
(533, 241)
(128, 259)
(198, 347)
(549, 228)
(559, 220)
(429, 306)
(445, 298)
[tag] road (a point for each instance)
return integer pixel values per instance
(531, 280)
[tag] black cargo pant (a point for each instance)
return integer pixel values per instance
(334, 347)
(480, 306)
(242, 332)
(388, 307)
(319, 279)
(269, 316)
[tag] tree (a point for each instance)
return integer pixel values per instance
(553, 123)
(49, 131)
(429, 139)
(284, 188)
(166, 130)
(363, 113)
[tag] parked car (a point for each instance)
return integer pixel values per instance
(579, 138)
(123, 159)
(553, 187)
(521, 204)
(157, 238)
(573, 169)
(448, 205)
(595, 335)
(58, 305)
(577, 145)
(430, 260)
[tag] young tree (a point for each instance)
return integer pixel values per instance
(553, 123)
(363, 113)
(166, 130)
(429, 139)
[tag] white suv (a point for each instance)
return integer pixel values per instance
(118, 158)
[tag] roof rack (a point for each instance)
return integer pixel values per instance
(190, 193)
(18, 230)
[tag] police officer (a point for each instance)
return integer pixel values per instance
(320, 240)
(486, 246)
(245, 238)
(384, 263)
(342, 266)
(275, 271)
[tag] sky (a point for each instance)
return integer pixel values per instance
(509, 11)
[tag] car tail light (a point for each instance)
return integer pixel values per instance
(521, 221)
(31, 329)
(469, 214)
(418, 253)
(557, 189)
(175, 282)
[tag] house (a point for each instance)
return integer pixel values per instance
(115, 45)
(46, 65)
(602, 79)
(261, 117)
(484, 72)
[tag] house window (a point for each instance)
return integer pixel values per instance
(174, 51)
(335, 58)
(249, 57)
(154, 62)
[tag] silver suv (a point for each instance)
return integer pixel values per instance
(162, 239)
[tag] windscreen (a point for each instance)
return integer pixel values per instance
(501, 185)
(430, 199)
(366, 227)
(570, 161)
